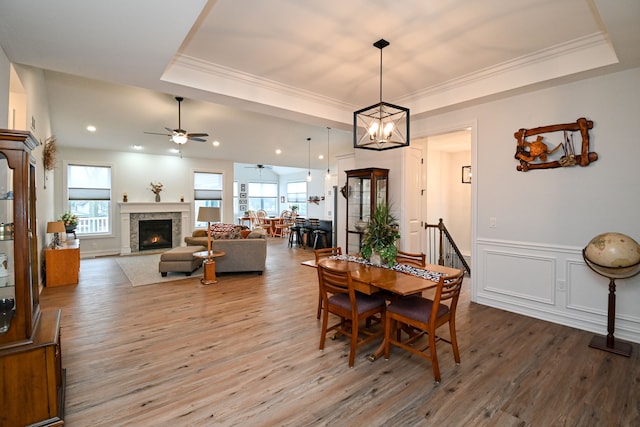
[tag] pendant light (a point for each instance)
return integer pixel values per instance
(328, 170)
(309, 173)
(382, 126)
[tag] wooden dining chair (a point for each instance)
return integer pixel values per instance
(319, 254)
(417, 260)
(259, 221)
(425, 316)
(282, 227)
(340, 298)
(253, 219)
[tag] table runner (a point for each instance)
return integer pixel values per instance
(402, 268)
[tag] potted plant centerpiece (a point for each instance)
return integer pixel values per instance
(70, 221)
(379, 238)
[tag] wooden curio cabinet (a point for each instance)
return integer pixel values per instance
(366, 188)
(31, 375)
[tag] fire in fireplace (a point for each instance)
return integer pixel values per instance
(154, 234)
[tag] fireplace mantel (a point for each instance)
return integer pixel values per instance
(128, 208)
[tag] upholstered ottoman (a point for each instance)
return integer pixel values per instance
(180, 260)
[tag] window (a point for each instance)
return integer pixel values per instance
(297, 195)
(207, 191)
(89, 197)
(263, 195)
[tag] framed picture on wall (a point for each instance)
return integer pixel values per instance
(281, 199)
(466, 174)
(243, 207)
(243, 195)
(243, 201)
(243, 187)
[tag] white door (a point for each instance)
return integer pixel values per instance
(412, 212)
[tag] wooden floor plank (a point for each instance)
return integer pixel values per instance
(245, 352)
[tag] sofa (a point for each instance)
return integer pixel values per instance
(245, 250)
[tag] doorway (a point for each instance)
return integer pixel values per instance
(447, 157)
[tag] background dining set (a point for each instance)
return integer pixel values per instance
(389, 304)
(300, 231)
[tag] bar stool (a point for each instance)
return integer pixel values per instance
(296, 232)
(314, 226)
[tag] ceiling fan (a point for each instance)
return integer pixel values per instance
(259, 167)
(179, 135)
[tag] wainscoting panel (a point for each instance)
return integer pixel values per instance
(584, 293)
(520, 275)
(553, 283)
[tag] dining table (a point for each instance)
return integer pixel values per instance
(368, 278)
(270, 224)
(402, 280)
(243, 219)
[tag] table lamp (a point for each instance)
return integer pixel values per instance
(55, 228)
(208, 215)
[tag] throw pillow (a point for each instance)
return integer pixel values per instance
(226, 231)
(245, 233)
(257, 234)
(222, 228)
(199, 233)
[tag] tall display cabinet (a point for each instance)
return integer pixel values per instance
(31, 374)
(365, 189)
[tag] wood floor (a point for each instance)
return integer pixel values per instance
(244, 352)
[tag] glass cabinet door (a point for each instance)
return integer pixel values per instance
(19, 296)
(7, 277)
(366, 188)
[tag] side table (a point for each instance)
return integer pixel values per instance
(62, 264)
(209, 265)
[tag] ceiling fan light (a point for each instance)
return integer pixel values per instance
(179, 139)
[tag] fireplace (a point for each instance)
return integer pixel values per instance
(155, 234)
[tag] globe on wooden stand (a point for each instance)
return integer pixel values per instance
(614, 256)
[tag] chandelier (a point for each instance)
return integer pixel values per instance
(382, 126)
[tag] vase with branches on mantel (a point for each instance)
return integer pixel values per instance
(156, 188)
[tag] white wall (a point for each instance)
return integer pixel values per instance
(531, 261)
(458, 201)
(5, 67)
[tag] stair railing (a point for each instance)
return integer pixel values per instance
(442, 249)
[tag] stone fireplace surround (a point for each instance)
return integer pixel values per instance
(132, 212)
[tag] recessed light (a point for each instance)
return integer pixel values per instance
(278, 151)
(216, 143)
(91, 128)
(174, 150)
(320, 157)
(137, 147)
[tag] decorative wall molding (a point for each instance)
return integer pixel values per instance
(552, 283)
(537, 275)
